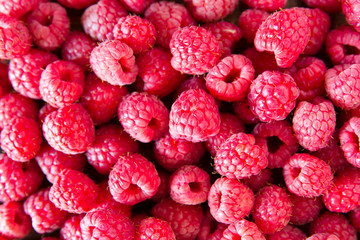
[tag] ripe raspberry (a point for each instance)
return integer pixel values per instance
(239, 157)
(164, 188)
(137, 6)
(15, 39)
(242, 229)
(73, 191)
(154, 228)
(210, 11)
(210, 229)
(70, 230)
(114, 62)
(256, 182)
(111, 142)
(289, 232)
(14, 223)
(229, 80)
(266, 5)
(306, 175)
(45, 110)
(286, 33)
(185, 220)
(323, 236)
(278, 141)
(272, 95)
(230, 200)
(194, 116)
(69, 129)
(249, 22)
(49, 25)
(143, 116)
(351, 12)
(272, 209)
(304, 209)
(98, 20)
(17, 8)
(262, 61)
(45, 216)
(5, 85)
(354, 218)
(243, 112)
(195, 50)
(77, 4)
(348, 137)
(331, 6)
(62, 83)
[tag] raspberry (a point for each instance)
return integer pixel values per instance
(230, 200)
(266, 5)
(230, 79)
(278, 141)
(239, 157)
(210, 11)
(133, 179)
(99, 19)
(114, 62)
(45, 110)
(49, 25)
(5, 85)
(15, 39)
(25, 72)
(77, 4)
(243, 112)
(111, 142)
(195, 50)
(154, 228)
(137, 6)
(194, 116)
(143, 116)
(348, 137)
(262, 61)
(272, 95)
(331, 6)
(62, 83)
(249, 22)
(306, 175)
(355, 218)
(256, 182)
(73, 191)
(323, 236)
(70, 230)
(272, 209)
(137, 33)
(69, 129)
(286, 33)
(243, 229)
(17, 8)
(351, 12)
(288, 233)
(45, 216)
(210, 229)
(14, 223)
(304, 209)
(164, 188)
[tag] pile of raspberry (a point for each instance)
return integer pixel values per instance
(187, 120)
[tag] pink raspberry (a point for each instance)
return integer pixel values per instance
(272, 95)
(194, 116)
(137, 6)
(15, 38)
(354, 218)
(45, 216)
(238, 157)
(71, 228)
(14, 223)
(289, 232)
(164, 187)
(351, 12)
(272, 209)
(243, 112)
(260, 180)
(306, 175)
(69, 129)
(262, 61)
(49, 25)
(229, 80)
(17, 8)
(230, 200)
(286, 33)
(266, 5)
(77, 4)
(243, 229)
(323, 236)
(133, 179)
(210, 229)
(304, 209)
(249, 22)
(348, 137)
(210, 11)
(154, 228)
(143, 116)
(45, 110)
(98, 20)
(114, 62)
(278, 141)
(331, 6)
(195, 50)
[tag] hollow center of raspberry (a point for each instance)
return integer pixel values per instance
(195, 186)
(46, 21)
(232, 76)
(273, 144)
(124, 66)
(153, 123)
(133, 189)
(17, 219)
(24, 167)
(349, 50)
(295, 172)
(66, 76)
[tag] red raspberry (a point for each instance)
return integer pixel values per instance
(210, 229)
(70, 230)
(111, 142)
(143, 116)
(306, 175)
(17, 8)
(14, 223)
(239, 157)
(272, 95)
(69, 129)
(154, 228)
(50, 238)
(210, 11)
(351, 12)
(229, 80)
(272, 209)
(77, 4)
(278, 141)
(185, 220)
(230, 200)
(45, 216)
(256, 182)
(243, 229)
(62, 83)
(15, 39)
(5, 85)
(262, 61)
(331, 6)
(289, 232)
(98, 20)
(49, 25)
(45, 110)
(348, 137)
(194, 116)
(266, 5)
(354, 218)
(249, 22)
(323, 236)
(304, 209)
(164, 188)
(243, 112)
(286, 33)
(195, 50)
(137, 33)
(25, 72)
(137, 6)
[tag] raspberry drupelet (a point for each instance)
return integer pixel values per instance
(243, 112)
(262, 61)
(349, 140)
(71, 228)
(210, 229)
(266, 5)
(260, 180)
(304, 209)
(351, 12)
(289, 232)
(242, 229)
(249, 22)
(330, 6)
(77, 4)
(210, 11)
(323, 236)
(137, 6)
(17, 8)
(151, 228)
(354, 218)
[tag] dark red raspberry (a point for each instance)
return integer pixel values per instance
(195, 50)
(258, 181)
(70, 230)
(304, 209)
(151, 228)
(289, 232)
(77, 4)
(351, 12)
(241, 230)
(137, 6)
(99, 19)
(331, 6)
(17, 8)
(143, 116)
(49, 25)
(210, 11)
(50, 238)
(323, 236)
(5, 85)
(272, 209)
(262, 61)
(194, 116)
(69, 129)
(286, 33)
(210, 229)
(164, 188)
(354, 218)
(238, 157)
(349, 140)
(272, 95)
(249, 22)
(14, 223)
(243, 112)
(306, 175)
(266, 5)
(44, 111)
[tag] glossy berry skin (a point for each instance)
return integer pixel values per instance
(242, 229)
(153, 228)
(348, 137)
(211, 11)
